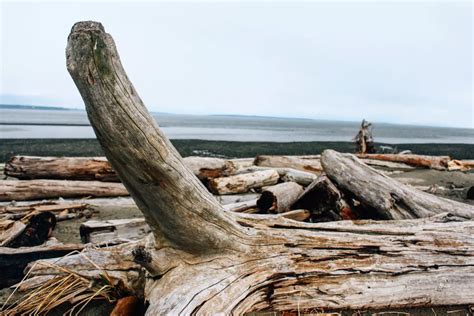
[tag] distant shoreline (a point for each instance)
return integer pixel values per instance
(228, 149)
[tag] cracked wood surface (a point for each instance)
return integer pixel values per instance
(385, 196)
(204, 260)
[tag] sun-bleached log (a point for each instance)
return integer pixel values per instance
(385, 196)
(388, 164)
(204, 260)
(432, 162)
(209, 167)
(114, 230)
(69, 168)
(236, 198)
(279, 198)
(309, 163)
(286, 174)
(245, 206)
(242, 183)
(46, 189)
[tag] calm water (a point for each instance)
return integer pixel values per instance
(74, 124)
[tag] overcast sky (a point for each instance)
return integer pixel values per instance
(399, 62)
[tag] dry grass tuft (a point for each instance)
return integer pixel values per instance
(67, 287)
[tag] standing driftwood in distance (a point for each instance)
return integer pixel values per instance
(46, 189)
(76, 168)
(204, 260)
(279, 198)
(243, 182)
(385, 196)
(364, 140)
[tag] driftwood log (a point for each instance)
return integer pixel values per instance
(45, 189)
(279, 198)
(309, 163)
(70, 168)
(384, 196)
(202, 260)
(242, 183)
(433, 162)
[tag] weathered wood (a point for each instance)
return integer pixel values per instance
(113, 231)
(203, 260)
(279, 198)
(384, 196)
(70, 168)
(236, 198)
(245, 206)
(14, 260)
(433, 162)
(19, 211)
(242, 183)
(209, 167)
(286, 174)
(45, 189)
(460, 165)
(297, 215)
(9, 230)
(324, 200)
(309, 163)
(388, 164)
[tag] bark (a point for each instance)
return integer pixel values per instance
(202, 259)
(384, 197)
(279, 198)
(46, 189)
(243, 182)
(433, 162)
(305, 163)
(70, 168)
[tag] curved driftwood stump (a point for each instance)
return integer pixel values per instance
(204, 260)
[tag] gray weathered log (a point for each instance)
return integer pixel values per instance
(242, 183)
(245, 206)
(69, 168)
(324, 200)
(236, 198)
(286, 174)
(45, 189)
(279, 198)
(203, 260)
(209, 167)
(309, 163)
(113, 231)
(384, 196)
(433, 162)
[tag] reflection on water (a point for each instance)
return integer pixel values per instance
(231, 128)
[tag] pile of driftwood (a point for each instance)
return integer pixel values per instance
(205, 258)
(296, 187)
(300, 188)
